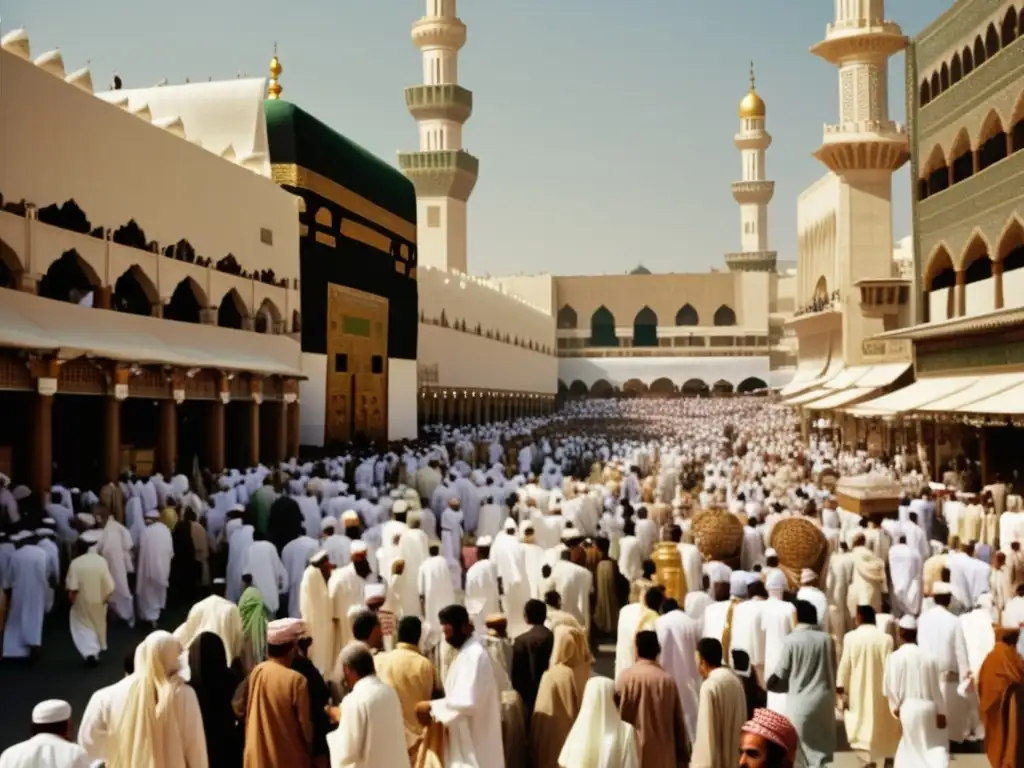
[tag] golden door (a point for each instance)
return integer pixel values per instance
(357, 365)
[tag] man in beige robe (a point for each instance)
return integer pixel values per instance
(317, 611)
(89, 585)
(721, 712)
(869, 579)
(513, 712)
(411, 675)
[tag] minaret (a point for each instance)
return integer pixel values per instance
(753, 192)
(273, 85)
(442, 171)
(864, 149)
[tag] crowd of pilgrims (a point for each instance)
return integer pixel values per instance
(441, 603)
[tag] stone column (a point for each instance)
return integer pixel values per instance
(112, 440)
(997, 278)
(279, 409)
(294, 429)
(167, 446)
(45, 373)
(215, 436)
(961, 293)
(256, 401)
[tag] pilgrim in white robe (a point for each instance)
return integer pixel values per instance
(45, 750)
(115, 546)
(156, 550)
(471, 710)
(633, 618)
(295, 557)
(693, 566)
(53, 568)
(27, 579)
(940, 637)
(678, 635)
(574, 583)
(489, 522)
(482, 586)
(89, 578)
(217, 615)
(905, 569)
(434, 584)
(778, 619)
(268, 573)
(414, 549)
(451, 543)
(912, 686)
(239, 541)
(371, 715)
(316, 610)
(345, 588)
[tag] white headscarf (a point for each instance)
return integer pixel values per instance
(148, 714)
(599, 738)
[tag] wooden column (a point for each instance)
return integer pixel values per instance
(215, 435)
(112, 440)
(256, 401)
(294, 418)
(983, 450)
(279, 409)
(167, 445)
(478, 410)
(102, 298)
(961, 293)
(45, 373)
(997, 278)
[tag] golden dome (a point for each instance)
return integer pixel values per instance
(752, 106)
(274, 87)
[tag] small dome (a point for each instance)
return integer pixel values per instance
(641, 270)
(52, 62)
(752, 106)
(16, 42)
(81, 78)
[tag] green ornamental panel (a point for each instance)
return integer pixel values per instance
(969, 358)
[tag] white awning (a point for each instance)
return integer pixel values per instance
(68, 330)
(983, 388)
(806, 373)
(838, 399)
(882, 375)
(912, 398)
(849, 377)
(1009, 402)
(808, 396)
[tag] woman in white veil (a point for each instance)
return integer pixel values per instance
(599, 738)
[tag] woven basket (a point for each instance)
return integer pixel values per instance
(718, 535)
(800, 544)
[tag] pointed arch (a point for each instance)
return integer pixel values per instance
(961, 157)
(934, 173)
(601, 388)
(662, 386)
(991, 141)
(956, 69)
(944, 77)
(645, 328)
(751, 384)
(1016, 125)
(968, 58)
(10, 266)
(187, 302)
(1011, 245)
(567, 319)
(694, 387)
(232, 312)
(1008, 31)
(935, 85)
(578, 389)
(991, 41)
(821, 289)
(268, 318)
(925, 93)
(70, 278)
(602, 328)
(134, 293)
(722, 387)
(939, 270)
(725, 315)
(975, 261)
(687, 315)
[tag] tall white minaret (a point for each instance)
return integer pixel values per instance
(754, 191)
(442, 171)
(863, 149)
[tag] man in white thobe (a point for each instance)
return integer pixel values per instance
(434, 584)
(451, 540)
(912, 686)
(778, 619)
(906, 571)
(317, 611)
(156, 550)
(471, 708)
(941, 638)
(89, 585)
(51, 745)
(268, 574)
(240, 537)
(295, 558)
(482, 585)
(346, 587)
(115, 546)
(678, 635)
(574, 583)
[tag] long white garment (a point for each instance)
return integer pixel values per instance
(471, 710)
(778, 618)
(315, 609)
(115, 545)
(213, 614)
(631, 558)
(632, 619)
(451, 544)
(53, 569)
(156, 550)
(27, 578)
(45, 750)
(941, 638)
(345, 588)
(678, 635)
(912, 686)
(434, 584)
(295, 557)
(574, 582)
(239, 541)
(268, 573)
(905, 568)
(482, 587)
(748, 631)
(599, 738)
(89, 577)
(489, 522)
(371, 715)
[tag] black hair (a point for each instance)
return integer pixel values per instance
(806, 613)
(535, 612)
(866, 614)
(649, 568)
(453, 615)
(757, 589)
(552, 598)
(654, 597)
(647, 645)
(409, 630)
(129, 662)
(675, 534)
(670, 604)
(279, 651)
(363, 624)
(710, 649)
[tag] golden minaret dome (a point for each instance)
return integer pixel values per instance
(274, 87)
(752, 105)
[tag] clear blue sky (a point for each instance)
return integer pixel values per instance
(603, 127)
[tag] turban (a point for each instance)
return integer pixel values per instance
(284, 631)
(775, 728)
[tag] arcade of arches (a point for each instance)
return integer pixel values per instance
(92, 419)
(662, 387)
(645, 324)
(466, 407)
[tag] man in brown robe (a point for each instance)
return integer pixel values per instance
(1001, 698)
(274, 704)
(606, 592)
(649, 701)
(531, 654)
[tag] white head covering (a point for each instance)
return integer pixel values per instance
(770, 553)
(152, 515)
(775, 582)
(328, 522)
(86, 519)
(598, 738)
(91, 536)
(908, 622)
(484, 541)
(738, 584)
(807, 576)
(21, 492)
(942, 588)
(51, 712)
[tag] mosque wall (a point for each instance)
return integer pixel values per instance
(538, 290)
(817, 251)
(63, 143)
(681, 373)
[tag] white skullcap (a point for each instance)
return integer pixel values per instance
(738, 584)
(86, 519)
(484, 541)
(942, 588)
(375, 592)
(358, 547)
(220, 580)
(318, 558)
(21, 492)
(51, 712)
(395, 493)
(908, 622)
(328, 522)
(91, 536)
(568, 534)
(349, 518)
(770, 553)
(400, 507)
(807, 576)
(775, 582)
(49, 521)
(236, 508)
(284, 631)
(20, 536)
(152, 515)
(45, 532)
(509, 525)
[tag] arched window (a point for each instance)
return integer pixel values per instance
(977, 264)
(944, 77)
(1009, 29)
(602, 328)
(962, 157)
(939, 275)
(991, 141)
(956, 70)
(187, 302)
(662, 386)
(567, 318)
(687, 315)
(10, 266)
(968, 59)
(725, 316)
(752, 384)
(991, 41)
(578, 389)
(694, 387)
(601, 388)
(979, 52)
(268, 318)
(645, 328)
(722, 387)
(69, 278)
(134, 293)
(1011, 247)
(925, 93)
(232, 312)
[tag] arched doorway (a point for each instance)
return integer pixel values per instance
(187, 303)
(662, 386)
(268, 318)
(578, 389)
(134, 293)
(566, 318)
(725, 315)
(751, 384)
(634, 387)
(722, 387)
(694, 388)
(601, 388)
(602, 328)
(645, 328)
(69, 279)
(687, 315)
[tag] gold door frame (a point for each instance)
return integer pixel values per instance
(356, 398)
